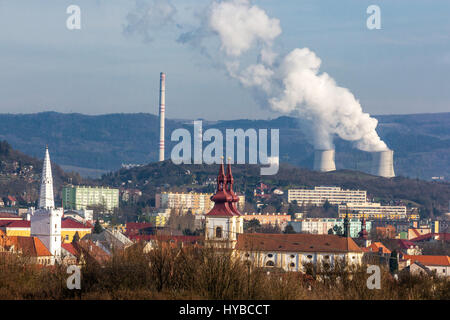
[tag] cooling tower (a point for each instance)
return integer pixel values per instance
(383, 164)
(324, 160)
(162, 107)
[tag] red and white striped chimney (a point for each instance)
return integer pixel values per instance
(162, 107)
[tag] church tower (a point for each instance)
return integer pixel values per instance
(224, 221)
(46, 219)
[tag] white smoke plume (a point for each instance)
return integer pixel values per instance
(291, 84)
(148, 17)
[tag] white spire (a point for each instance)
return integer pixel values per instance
(46, 192)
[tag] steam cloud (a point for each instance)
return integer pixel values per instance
(291, 84)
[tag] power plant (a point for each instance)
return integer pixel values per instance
(383, 163)
(324, 160)
(162, 107)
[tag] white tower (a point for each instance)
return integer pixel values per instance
(162, 107)
(324, 160)
(46, 191)
(46, 219)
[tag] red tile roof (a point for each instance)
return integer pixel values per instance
(428, 236)
(9, 216)
(405, 244)
(375, 247)
(184, 239)
(31, 246)
(15, 224)
(68, 223)
(296, 243)
(429, 260)
(70, 248)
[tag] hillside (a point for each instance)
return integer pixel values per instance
(80, 142)
(431, 196)
(20, 175)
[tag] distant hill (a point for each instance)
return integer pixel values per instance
(432, 197)
(421, 141)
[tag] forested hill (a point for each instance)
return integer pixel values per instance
(432, 197)
(20, 175)
(421, 141)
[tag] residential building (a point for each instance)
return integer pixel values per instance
(274, 219)
(323, 225)
(84, 251)
(109, 240)
(370, 210)
(439, 264)
(130, 195)
(197, 203)
(30, 247)
(386, 232)
(9, 216)
(81, 197)
(334, 195)
(417, 232)
(67, 228)
(158, 219)
(294, 252)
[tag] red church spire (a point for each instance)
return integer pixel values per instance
(363, 233)
(222, 199)
(234, 197)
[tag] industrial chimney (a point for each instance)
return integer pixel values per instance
(324, 160)
(162, 106)
(383, 163)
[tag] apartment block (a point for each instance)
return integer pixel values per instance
(197, 203)
(80, 197)
(372, 211)
(334, 195)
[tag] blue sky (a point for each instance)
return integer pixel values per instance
(402, 68)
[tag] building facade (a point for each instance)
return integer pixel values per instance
(295, 252)
(274, 219)
(323, 225)
(370, 210)
(318, 196)
(80, 197)
(197, 203)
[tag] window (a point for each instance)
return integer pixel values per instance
(219, 232)
(270, 263)
(292, 265)
(67, 237)
(309, 256)
(327, 257)
(292, 256)
(270, 255)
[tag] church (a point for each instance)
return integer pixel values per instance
(45, 220)
(290, 252)
(224, 222)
